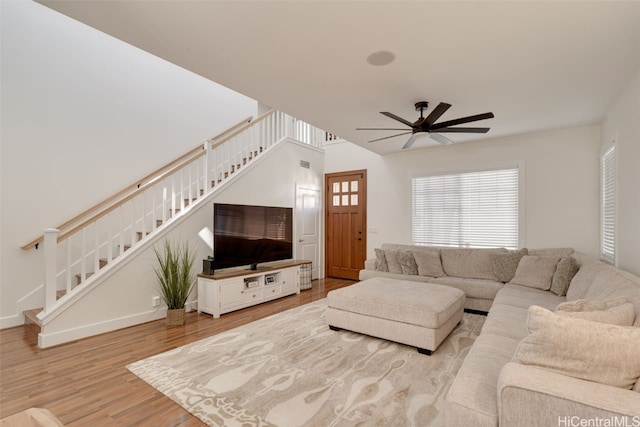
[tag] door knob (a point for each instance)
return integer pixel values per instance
(300, 240)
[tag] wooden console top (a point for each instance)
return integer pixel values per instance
(228, 273)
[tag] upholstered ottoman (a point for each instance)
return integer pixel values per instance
(413, 313)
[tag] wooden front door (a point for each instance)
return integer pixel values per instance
(346, 223)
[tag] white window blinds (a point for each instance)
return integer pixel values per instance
(471, 209)
(608, 232)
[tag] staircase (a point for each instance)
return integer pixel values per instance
(79, 252)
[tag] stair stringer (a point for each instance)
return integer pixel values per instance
(120, 294)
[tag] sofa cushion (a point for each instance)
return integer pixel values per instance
(381, 260)
(469, 263)
(429, 263)
(473, 288)
(621, 315)
(524, 296)
(591, 351)
(407, 263)
(536, 271)
(566, 269)
(393, 262)
(596, 280)
(616, 311)
(507, 321)
(590, 305)
(505, 264)
(472, 398)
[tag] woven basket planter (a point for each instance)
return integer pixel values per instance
(175, 317)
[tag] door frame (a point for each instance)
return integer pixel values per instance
(363, 205)
(320, 250)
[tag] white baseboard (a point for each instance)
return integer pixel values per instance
(11, 321)
(56, 338)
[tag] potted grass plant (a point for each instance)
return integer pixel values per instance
(174, 267)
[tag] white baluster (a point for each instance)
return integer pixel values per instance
(110, 237)
(133, 221)
(83, 254)
(68, 264)
(207, 176)
(96, 247)
(121, 230)
(50, 262)
(143, 228)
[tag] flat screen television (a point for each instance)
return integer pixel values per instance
(245, 235)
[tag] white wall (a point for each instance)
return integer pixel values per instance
(84, 115)
(622, 124)
(124, 299)
(561, 178)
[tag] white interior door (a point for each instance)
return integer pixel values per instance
(308, 227)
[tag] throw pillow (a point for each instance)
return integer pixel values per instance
(381, 260)
(621, 315)
(536, 271)
(393, 263)
(590, 305)
(429, 263)
(579, 348)
(567, 268)
(505, 265)
(407, 263)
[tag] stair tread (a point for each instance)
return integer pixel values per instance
(31, 316)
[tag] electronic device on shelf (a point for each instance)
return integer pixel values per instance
(270, 279)
(251, 282)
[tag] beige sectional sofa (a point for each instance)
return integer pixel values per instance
(523, 372)
(470, 270)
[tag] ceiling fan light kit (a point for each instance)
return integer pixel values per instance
(428, 125)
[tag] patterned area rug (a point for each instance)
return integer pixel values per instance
(290, 369)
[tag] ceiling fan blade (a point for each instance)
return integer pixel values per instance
(464, 130)
(439, 138)
(410, 142)
(379, 129)
(387, 137)
(462, 120)
(394, 117)
(436, 113)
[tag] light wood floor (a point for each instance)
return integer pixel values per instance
(85, 383)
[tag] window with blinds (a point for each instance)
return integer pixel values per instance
(608, 232)
(470, 209)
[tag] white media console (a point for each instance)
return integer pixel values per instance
(232, 289)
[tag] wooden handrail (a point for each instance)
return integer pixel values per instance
(242, 129)
(226, 131)
(128, 197)
(191, 155)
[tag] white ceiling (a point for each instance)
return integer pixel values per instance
(537, 65)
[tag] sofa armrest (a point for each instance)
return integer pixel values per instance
(531, 396)
(370, 264)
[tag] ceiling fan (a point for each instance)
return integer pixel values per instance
(428, 124)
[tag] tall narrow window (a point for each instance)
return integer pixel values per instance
(471, 209)
(608, 232)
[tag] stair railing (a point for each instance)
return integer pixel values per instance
(75, 254)
(115, 198)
